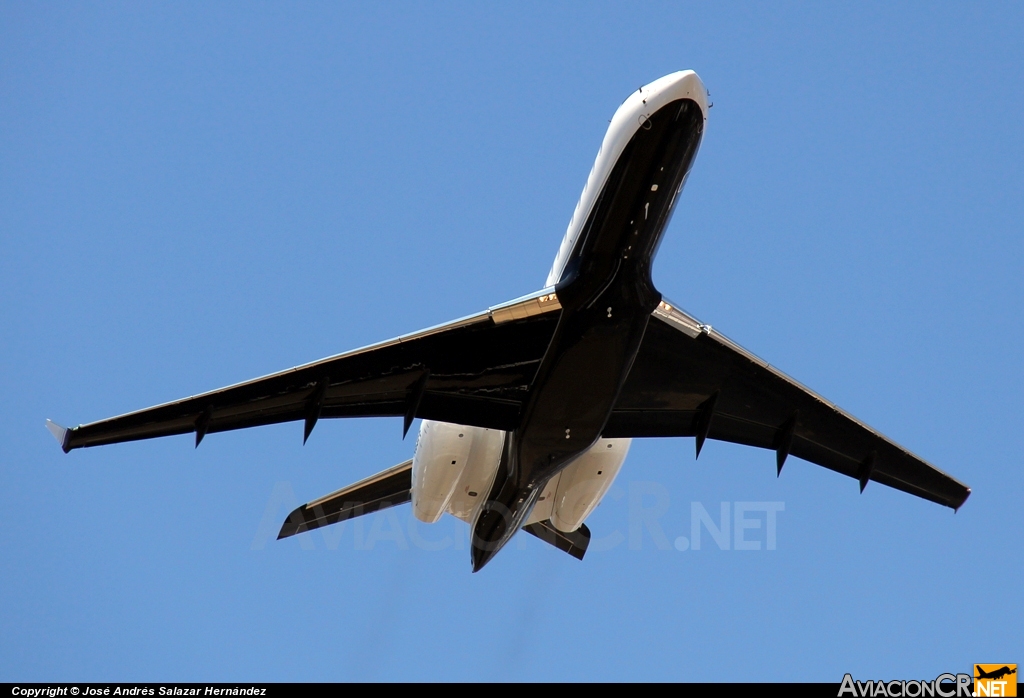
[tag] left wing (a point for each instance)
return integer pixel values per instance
(474, 371)
(689, 380)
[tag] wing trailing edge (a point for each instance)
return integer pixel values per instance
(474, 371)
(690, 380)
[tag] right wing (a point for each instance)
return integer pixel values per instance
(689, 380)
(474, 371)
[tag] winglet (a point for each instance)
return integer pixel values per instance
(59, 433)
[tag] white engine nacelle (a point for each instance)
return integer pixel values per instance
(570, 497)
(453, 469)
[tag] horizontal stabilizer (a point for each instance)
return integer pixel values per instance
(574, 543)
(59, 433)
(387, 488)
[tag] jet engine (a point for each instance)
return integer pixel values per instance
(572, 494)
(452, 469)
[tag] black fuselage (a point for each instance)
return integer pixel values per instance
(607, 298)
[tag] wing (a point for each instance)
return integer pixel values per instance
(474, 371)
(689, 380)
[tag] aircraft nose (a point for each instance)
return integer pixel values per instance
(685, 84)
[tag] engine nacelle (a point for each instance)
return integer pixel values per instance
(570, 497)
(453, 469)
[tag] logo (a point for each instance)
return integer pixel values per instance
(943, 686)
(995, 680)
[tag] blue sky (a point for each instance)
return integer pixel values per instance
(194, 194)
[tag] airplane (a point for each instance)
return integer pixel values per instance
(995, 674)
(528, 408)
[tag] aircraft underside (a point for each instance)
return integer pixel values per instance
(529, 408)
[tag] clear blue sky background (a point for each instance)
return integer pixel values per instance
(193, 195)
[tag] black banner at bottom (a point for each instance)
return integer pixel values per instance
(214, 690)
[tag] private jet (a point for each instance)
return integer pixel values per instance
(528, 408)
